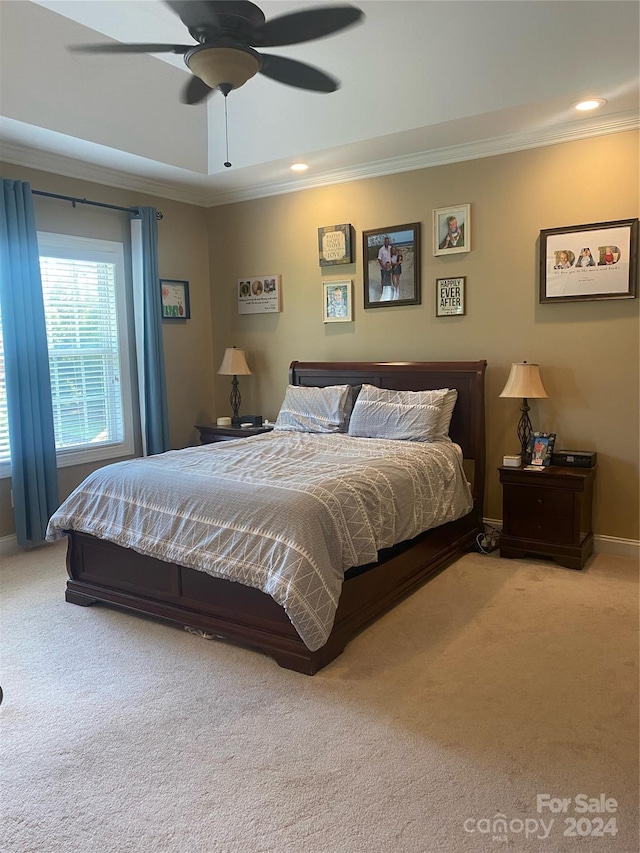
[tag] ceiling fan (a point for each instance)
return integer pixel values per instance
(228, 31)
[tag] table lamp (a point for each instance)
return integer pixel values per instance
(234, 364)
(524, 381)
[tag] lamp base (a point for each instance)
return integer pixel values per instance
(235, 400)
(524, 431)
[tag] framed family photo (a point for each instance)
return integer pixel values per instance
(452, 229)
(337, 301)
(175, 299)
(585, 262)
(391, 266)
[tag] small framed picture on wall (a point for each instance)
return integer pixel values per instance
(335, 245)
(450, 296)
(337, 301)
(175, 299)
(260, 295)
(452, 229)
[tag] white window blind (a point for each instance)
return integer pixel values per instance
(82, 335)
(83, 290)
(85, 313)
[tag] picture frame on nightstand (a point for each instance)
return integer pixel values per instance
(540, 448)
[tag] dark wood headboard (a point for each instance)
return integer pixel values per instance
(467, 377)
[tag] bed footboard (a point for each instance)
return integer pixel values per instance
(100, 571)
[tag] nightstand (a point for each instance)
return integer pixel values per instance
(548, 513)
(210, 433)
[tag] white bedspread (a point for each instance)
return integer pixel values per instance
(286, 513)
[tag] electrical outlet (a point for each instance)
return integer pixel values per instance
(489, 540)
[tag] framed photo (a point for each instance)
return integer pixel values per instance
(540, 448)
(452, 229)
(450, 296)
(391, 266)
(335, 245)
(175, 299)
(337, 302)
(260, 295)
(585, 262)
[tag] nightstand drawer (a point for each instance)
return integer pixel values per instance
(544, 528)
(538, 501)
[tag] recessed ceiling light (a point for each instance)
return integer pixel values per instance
(590, 104)
(299, 167)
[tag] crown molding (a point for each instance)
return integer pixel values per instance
(70, 167)
(204, 196)
(436, 157)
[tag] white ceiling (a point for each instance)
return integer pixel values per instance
(423, 82)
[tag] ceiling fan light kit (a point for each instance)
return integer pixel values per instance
(223, 67)
(227, 32)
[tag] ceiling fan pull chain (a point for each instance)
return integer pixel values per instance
(226, 132)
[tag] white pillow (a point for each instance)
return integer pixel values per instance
(307, 409)
(444, 421)
(406, 415)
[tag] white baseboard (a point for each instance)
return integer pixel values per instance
(613, 545)
(616, 546)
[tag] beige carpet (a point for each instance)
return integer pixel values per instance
(496, 682)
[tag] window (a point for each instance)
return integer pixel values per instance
(85, 314)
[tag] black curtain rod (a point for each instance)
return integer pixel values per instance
(75, 201)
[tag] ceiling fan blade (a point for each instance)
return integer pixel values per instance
(114, 47)
(306, 25)
(208, 13)
(298, 74)
(195, 91)
(194, 13)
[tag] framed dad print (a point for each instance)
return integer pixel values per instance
(335, 245)
(391, 266)
(585, 262)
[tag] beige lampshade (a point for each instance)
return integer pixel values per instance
(219, 65)
(234, 363)
(524, 381)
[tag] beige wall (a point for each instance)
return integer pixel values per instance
(587, 351)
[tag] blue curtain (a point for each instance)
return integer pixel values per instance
(33, 452)
(147, 300)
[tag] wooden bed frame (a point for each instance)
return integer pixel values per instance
(100, 571)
